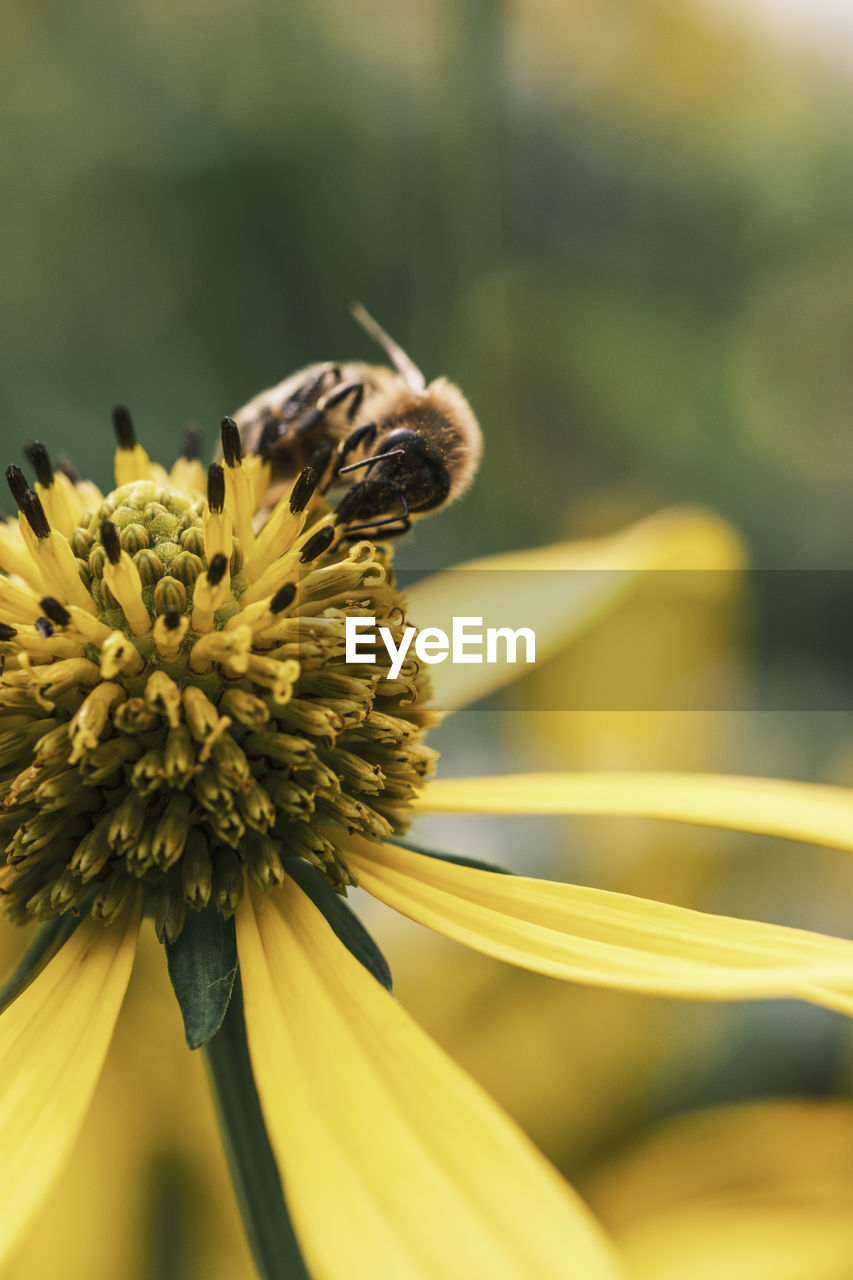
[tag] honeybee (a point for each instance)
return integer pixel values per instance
(406, 448)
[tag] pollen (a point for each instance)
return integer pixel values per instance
(176, 710)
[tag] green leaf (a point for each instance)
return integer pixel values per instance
(342, 919)
(254, 1172)
(461, 860)
(43, 947)
(202, 964)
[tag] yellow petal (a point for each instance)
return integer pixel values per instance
(53, 1041)
(394, 1163)
(593, 577)
(768, 806)
(755, 1192)
(604, 938)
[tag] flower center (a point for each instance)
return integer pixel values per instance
(175, 705)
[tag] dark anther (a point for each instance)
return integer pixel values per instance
(283, 597)
(123, 427)
(215, 487)
(109, 537)
(38, 458)
(303, 489)
(191, 443)
(316, 545)
(69, 469)
(17, 482)
(232, 449)
(270, 435)
(216, 569)
(34, 513)
(7, 632)
(44, 627)
(55, 611)
(172, 617)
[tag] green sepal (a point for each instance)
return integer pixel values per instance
(254, 1172)
(459, 859)
(47, 940)
(342, 919)
(202, 963)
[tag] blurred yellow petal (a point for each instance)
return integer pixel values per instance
(53, 1041)
(806, 811)
(751, 1192)
(393, 1161)
(608, 939)
(595, 576)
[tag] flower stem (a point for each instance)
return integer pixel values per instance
(254, 1173)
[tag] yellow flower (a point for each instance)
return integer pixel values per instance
(180, 734)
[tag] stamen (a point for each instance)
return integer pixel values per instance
(18, 603)
(52, 554)
(238, 485)
(122, 577)
(204, 721)
(282, 569)
(212, 589)
(231, 648)
(282, 528)
(123, 427)
(55, 611)
(89, 628)
(216, 522)
(34, 513)
(39, 460)
(317, 544)
(120, 656)
(48, 683)
(61, 504)
(91, 719)
(131, 460)
(163, 695)
(188, 474)
(170, 628)
(232, 448)
(303, 490)
(17, 482)
(15, 556)
(191, 443)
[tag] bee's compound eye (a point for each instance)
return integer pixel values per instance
(399, 437)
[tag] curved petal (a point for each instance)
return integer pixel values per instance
(603, 938)
(393, 1161)
(53, 1041)
(594, 576)
(805, 811)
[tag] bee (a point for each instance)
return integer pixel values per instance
(405, 448)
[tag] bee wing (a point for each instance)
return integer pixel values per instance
(407, 369)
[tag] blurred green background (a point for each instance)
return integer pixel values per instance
(624, 228)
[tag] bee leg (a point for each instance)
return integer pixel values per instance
(354, 389)
(403, 523)
(309, 391)
(335, 396)
(319, 461)
(363, 435)
(270, 435)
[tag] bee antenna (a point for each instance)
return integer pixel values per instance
(407, 369)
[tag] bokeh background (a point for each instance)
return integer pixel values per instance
(625, 229)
